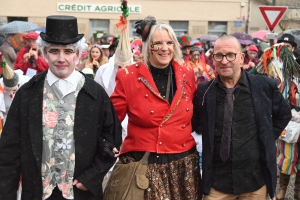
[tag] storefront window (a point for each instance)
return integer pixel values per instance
(217, 28)
(98, 28)
(180, 27)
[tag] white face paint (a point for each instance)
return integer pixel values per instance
(61, 59)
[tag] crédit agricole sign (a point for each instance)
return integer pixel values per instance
(102, 8)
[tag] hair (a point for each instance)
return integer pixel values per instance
(146, 45)
(230, 37)
(80, 47)
(100, 60)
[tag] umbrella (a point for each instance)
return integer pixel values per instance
(41, 29)
(244, 38)
(17, 27)
(211, 38)
(17, 41)
(261, 34)
(2, 22)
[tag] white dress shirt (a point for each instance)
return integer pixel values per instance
(67, 85)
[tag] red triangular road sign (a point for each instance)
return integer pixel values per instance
(272, 15)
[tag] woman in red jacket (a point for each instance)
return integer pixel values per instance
(157, 95)
(30, 57)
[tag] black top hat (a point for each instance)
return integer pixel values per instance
(61, 30)
(288, 38)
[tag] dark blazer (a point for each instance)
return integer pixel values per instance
(21, 141)
(272, 114)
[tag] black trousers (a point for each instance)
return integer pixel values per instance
(56, 195)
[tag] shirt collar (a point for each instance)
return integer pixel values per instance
(74, 78)
(243, 80)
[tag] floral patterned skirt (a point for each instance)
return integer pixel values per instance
(176, 180)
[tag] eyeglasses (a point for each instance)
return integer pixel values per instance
(229, 57)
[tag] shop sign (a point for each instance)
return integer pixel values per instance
(238, 24)
(100, 8)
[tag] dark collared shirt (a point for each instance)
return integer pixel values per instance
(242, 172)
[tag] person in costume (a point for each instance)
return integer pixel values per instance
(11, 81)
(8, 51)
(251, 57)
(157, 94)
(203, 72)
(185, 43)
(48, 114)
(29, 58)
(288, 160)
(289, 41)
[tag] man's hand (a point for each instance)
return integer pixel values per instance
(79, 185)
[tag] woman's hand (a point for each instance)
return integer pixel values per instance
(95, 63)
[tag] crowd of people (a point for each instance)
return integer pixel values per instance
(212, 125)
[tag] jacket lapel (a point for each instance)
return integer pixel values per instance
(258, 104)
(35, 117)
(210, 98)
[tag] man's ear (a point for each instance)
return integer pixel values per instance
(45, 51)
(242, 58)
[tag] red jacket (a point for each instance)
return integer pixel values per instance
(154, 125)
(41, 64)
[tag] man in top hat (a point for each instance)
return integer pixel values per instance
(289, 41)
(49, 113)
(29, 58)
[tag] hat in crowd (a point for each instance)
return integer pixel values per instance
(288, 38)
(264, 45)
(185, 41)
(195, 48)
(253, 48)
(143, 27)
(105, 46)
(61, 29)
(10, 78)
(31, 36)
(198, 44)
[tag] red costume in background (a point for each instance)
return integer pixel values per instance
(39, 64)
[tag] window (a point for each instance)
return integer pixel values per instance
(217, 28)
(98, 28)
(132, 32)
(10, 19)
(180, 27)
